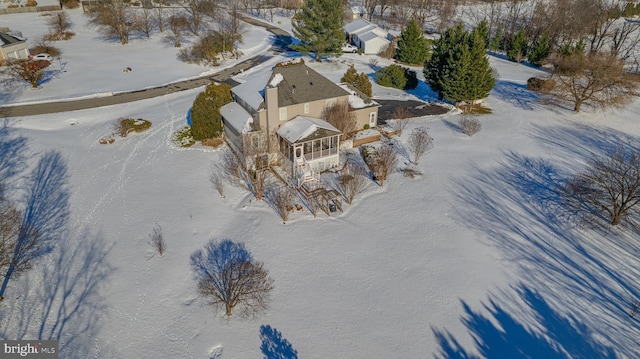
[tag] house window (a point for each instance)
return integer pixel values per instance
(306, 107)
(283, 114)
(330, 102)
(372, 119)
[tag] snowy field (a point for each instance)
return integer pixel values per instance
(468, 260)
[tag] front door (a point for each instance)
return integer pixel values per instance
(298, 152)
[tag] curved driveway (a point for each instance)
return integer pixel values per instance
(282, 39)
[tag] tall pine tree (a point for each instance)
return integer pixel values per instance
(319, 26)
(518, 46)
(459, 68)
(413, 48)
(540, 50)
(437, 68)
(206, 121)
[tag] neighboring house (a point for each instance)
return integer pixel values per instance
(368, 37)
(279, 112)
(357, 12)
(12, 47)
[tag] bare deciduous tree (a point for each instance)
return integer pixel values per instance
(156, 240)
(281, 198)
(58, 24)
(229, 277)
(352, 181)
(340, 116)
(401, 117)
(114, 19)
(216, 178)
(608, 188)
(231, 27)
(159, 17)
(232, 167)
(382, 161)
(597, 79)
(419, 142)
(469, 125)
(24, 70)
(195, 19)
(144, 21)
(178, 24)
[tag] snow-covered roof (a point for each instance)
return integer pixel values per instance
(356, 25)
(277, 78)
(302, 127)
(250, 92)
(371, 35)
(355, 98)
(237, 117)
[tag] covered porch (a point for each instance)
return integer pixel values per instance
(308, 146)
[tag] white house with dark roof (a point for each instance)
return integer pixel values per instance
(12, 47)
(368, 37)
(281, 111)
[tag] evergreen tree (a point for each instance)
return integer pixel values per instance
(483, 31)
(460, 71)
(517, 48)
(360, 82)
(350, 76)
(495, 43)
(206, 121)
(437, 67)
(319, 27)
(413, 48)
(540, 50)
(363, 84)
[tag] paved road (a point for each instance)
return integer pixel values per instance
(282, 39)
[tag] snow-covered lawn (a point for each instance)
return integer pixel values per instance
(467, 260)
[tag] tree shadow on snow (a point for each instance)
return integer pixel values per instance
(517, 206)
(502, 335)
(69, 305)
(12, 156)
(274, 345)
(515, 94)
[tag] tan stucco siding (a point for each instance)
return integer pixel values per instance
(363, 116)
(13, 52)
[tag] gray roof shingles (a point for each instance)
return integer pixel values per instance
(7, 39)
(301, 84)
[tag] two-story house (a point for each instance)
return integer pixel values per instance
(280, 112)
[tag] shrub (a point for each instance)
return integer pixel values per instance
(127, 125)
(43, 45)
(212, 142)
(206, 121)
(469, 125)
(156, 240)
(183, 137)
(366, 126)
(398, 77)
(70, 4)
(31, 3)
(540, 85)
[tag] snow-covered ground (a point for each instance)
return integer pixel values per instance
(466, 260)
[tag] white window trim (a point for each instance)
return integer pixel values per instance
(372, 119)
(306, 107)
(283, 113)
